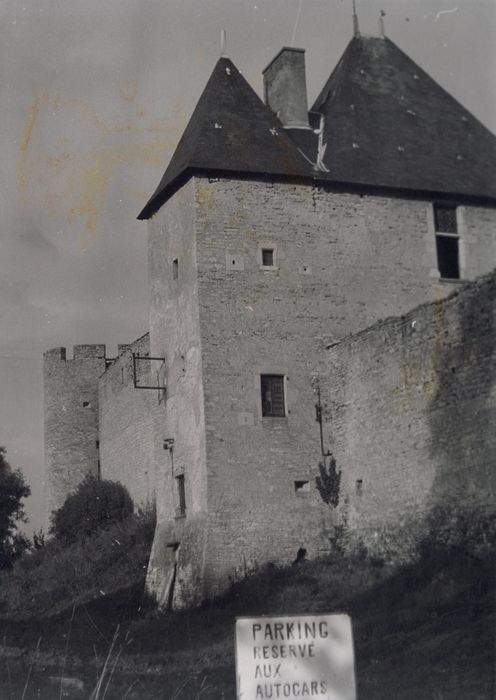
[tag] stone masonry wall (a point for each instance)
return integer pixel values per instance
(410, 414)
(126, 416)
(342, 261)
(175, 336)
(70, 419)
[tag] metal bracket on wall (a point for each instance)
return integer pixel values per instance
(159, 372)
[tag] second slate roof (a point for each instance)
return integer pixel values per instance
(388, 123)
(231, 130)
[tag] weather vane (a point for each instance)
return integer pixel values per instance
(356, 30)
(382, 32)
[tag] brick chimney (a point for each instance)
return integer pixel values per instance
(285, 87)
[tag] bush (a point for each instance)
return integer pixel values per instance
(94, 505)
(58, 575)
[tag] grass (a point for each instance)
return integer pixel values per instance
(58, 576)
(421, 631)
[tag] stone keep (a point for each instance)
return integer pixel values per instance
(274, 233)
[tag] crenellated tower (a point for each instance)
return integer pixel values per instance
(71, 419)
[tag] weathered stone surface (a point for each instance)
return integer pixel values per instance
(409, 409)
(126, 423)
(71, 420)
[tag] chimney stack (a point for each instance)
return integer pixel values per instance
(285, 87)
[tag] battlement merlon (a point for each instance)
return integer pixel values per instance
(80, 352)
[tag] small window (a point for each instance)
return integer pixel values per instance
(302, 486)
(181, 496)
(175, 269)
(268, 257)
(86, 404)
(272, 386)
(359, 487)
(447, 241)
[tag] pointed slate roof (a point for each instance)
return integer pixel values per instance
(231, 130)
(387, 123)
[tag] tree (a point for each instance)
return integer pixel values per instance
(13, 489)
(94, 505)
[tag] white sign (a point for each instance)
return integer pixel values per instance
(295, 657)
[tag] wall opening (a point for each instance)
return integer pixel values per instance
(173, 548)
(175, 269)
(272, 388)
(447, 241)
(302, 486)
(180, 496)
(268, 257)
(448, 257)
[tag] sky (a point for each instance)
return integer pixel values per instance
(95, 96)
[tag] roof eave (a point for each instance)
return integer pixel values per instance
(319, 179)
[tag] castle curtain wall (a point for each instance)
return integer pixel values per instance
(410, 408)
(126, 424)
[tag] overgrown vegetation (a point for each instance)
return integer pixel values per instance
(96, 565)
(13, 489)
(425, 630)
(95, 504)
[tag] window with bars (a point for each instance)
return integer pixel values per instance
(181, 496)
(272, 387)
(447, 241)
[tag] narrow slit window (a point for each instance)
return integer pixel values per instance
(272, 387)
(181, 495)
(175, 269)
(447, 241)
(268, 257)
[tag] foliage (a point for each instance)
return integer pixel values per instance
(94, 505)
(329, 481)
(13, 489)
(38, 539)
(59, 575)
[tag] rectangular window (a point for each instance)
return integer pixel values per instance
(272, 386)
(181, 495)
(175, 269)
(447, 241)
(448, 257)
(268, 257)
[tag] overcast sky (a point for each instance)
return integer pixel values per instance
(95, 95)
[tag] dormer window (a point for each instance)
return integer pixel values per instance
(447, 241)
